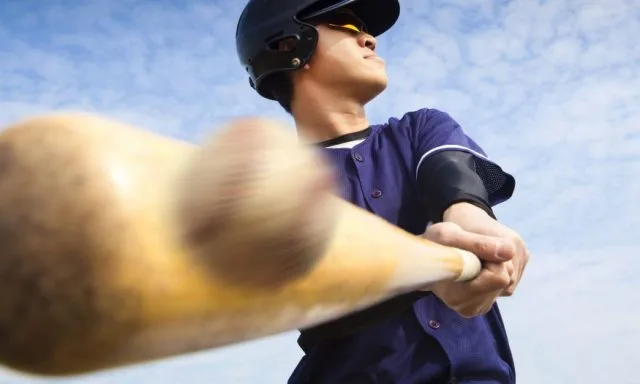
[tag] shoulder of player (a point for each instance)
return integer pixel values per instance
(430, 127)
(422, 120)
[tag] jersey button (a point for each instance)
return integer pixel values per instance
(435, 324)
(358, 157)
(376, 193)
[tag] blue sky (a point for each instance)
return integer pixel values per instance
(550, 89)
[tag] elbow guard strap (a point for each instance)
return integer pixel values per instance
(449, 177)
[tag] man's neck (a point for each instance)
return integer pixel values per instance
(323, 121)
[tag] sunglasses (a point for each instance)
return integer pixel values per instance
(343, 20)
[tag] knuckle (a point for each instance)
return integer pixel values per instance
(492, 269)
(503, 280)
(517, 240)
(517, 243)
(442, 233)
(514, 235)
(482, 247)
(514, 238)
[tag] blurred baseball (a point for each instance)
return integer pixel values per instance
(255, 204)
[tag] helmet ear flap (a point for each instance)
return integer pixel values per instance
(288, 50)
(284, 43)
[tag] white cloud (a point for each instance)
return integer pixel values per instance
(551, 89)
(575, 320)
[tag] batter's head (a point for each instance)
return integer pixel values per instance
(264, 24)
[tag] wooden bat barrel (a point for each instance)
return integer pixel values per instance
(119, 246)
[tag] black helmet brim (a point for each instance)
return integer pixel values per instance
(378, 15)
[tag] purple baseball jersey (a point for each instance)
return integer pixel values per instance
(414, 338)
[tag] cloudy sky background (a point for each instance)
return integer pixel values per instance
(551, 90)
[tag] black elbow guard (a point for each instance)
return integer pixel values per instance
(450, 177)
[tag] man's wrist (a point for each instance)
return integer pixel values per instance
(460, 211)
(474, 219)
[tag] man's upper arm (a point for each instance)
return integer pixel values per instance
(450, 167)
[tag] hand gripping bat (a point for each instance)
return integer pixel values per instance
(119, 246)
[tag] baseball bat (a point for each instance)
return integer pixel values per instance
(119, 246)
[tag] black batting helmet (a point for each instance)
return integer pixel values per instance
(263, 23)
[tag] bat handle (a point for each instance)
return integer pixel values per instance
(471, 265)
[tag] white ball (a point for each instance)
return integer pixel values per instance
(256, 204)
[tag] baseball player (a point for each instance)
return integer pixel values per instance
(420, 171)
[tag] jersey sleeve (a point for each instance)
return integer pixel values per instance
(434, 131)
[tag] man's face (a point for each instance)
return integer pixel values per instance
(345, 58)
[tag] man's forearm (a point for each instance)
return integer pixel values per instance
(468, 216)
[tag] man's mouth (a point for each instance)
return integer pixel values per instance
(374, 57)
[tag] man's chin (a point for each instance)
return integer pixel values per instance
(375, 88)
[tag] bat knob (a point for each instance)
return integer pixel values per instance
(471, 265)
(255, 206)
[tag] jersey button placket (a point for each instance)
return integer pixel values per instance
(362, 170)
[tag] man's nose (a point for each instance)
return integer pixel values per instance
(367, 41)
